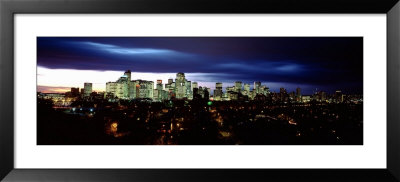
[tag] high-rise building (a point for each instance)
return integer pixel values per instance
(195, 85)
(218, 91)
(201, 91)
(298, 94)
(87, 89)
(120, 88)
(180, 79)
(128, 74)
(111, 89)
(257, 86)
(206, 93)
(75, 91)
(144, 89)
(125, 88)
(158, 92)
(189, 91)
(238, 86)
(246, 90)
(180, 87)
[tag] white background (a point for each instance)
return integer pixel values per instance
(370, 155)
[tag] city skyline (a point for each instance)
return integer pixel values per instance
(63, 90)
(334, 63)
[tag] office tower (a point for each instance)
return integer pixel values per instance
(111, 88)
(120, 88)
(266, 91)
(189, 92)
(252, 95)
(238, 86)
(246, 90)
(158, 91)
(75, 92)
(206, 93)
(168, 87)
(144, 89)
(87, 89)
(132, 89)
(156, 95)
(201, 92)
(180, 79)
(233, 96)
(125, 88)
(128, 74)
(257, 86)
(218, 91)
(263, 89)
(298, 94)
(180, 88)
(195, 85)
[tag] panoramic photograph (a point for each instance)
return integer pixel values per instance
(199, 91)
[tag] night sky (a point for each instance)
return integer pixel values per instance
(328, 63)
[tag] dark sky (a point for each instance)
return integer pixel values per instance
(328, 63)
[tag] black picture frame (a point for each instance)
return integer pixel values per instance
(8, 8)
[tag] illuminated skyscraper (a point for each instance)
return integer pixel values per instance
(189, 91)
(120, 88)
(111, 89)
(144, 89)
(195, 85)
(158, 92)
(87, 89)
(229, 89)
(180, 79)
(257, 86)
(238, 86)
(218, 92)
(180, 87)
(246, 90)
(125, 88)
(128, 74)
